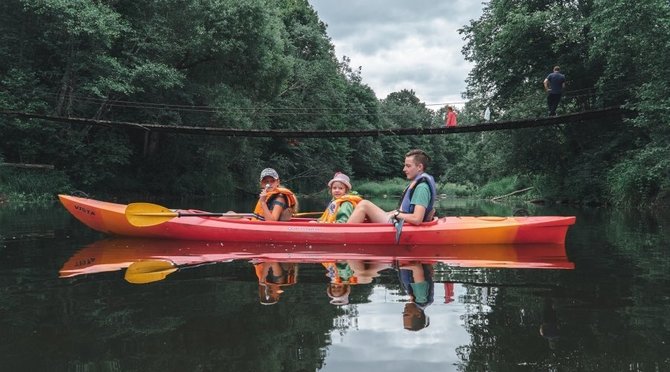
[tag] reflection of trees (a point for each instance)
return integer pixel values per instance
(600, 329)
(503, 323)
(212, 323)
(30, 224)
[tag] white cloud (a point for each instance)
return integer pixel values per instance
(403, 44)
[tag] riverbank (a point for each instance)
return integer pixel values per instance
(39, 187)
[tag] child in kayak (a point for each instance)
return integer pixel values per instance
(343, 202)
(275, 203)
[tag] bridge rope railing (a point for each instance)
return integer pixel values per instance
(570, 118)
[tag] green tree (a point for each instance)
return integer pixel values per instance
(514, 44)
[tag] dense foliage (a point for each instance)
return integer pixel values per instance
(269, 64)
(219, 63)
(610, 58)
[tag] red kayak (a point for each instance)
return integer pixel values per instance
(112, 218)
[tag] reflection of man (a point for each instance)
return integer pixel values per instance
(417, 280)
(271, 277)
(414, 318)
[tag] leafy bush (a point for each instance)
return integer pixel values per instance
(638, 179)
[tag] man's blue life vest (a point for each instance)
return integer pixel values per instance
(405, 205)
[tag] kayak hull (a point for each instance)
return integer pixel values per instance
(110, 218)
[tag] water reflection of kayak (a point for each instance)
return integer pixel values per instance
(114, 218)
(117, 254)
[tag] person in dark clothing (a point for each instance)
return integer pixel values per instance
(554, 84)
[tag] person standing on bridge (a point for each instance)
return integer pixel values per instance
(553, 85)
(450, 119)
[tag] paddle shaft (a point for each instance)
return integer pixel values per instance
(191, 214)
(182, 214)
(147, 214)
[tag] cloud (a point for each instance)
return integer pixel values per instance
(403, 44)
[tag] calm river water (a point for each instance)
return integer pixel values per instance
(600, 303)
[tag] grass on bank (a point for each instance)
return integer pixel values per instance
(394, 188)
(21, 187)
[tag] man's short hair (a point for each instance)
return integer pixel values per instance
(420, 157)
(414, 321)
(557, 68)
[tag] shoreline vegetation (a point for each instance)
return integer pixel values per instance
(35, 187)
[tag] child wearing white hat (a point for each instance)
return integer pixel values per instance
(343, 203)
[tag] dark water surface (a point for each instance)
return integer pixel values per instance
(600, 303)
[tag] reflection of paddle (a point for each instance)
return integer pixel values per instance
(147, 271)
(143, 272)
(147, 214)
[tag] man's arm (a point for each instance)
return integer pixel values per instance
(415, 218)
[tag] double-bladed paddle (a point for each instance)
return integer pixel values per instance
(148, 214)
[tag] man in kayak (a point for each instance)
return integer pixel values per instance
(275, 203)
(416, 205)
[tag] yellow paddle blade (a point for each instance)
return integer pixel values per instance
(143, 272)
(147, 214)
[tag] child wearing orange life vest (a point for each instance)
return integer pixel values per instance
(275, 203)
(343, 203)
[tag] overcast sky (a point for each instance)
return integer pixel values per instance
(403, 44)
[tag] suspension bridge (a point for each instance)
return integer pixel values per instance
(486, 126)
